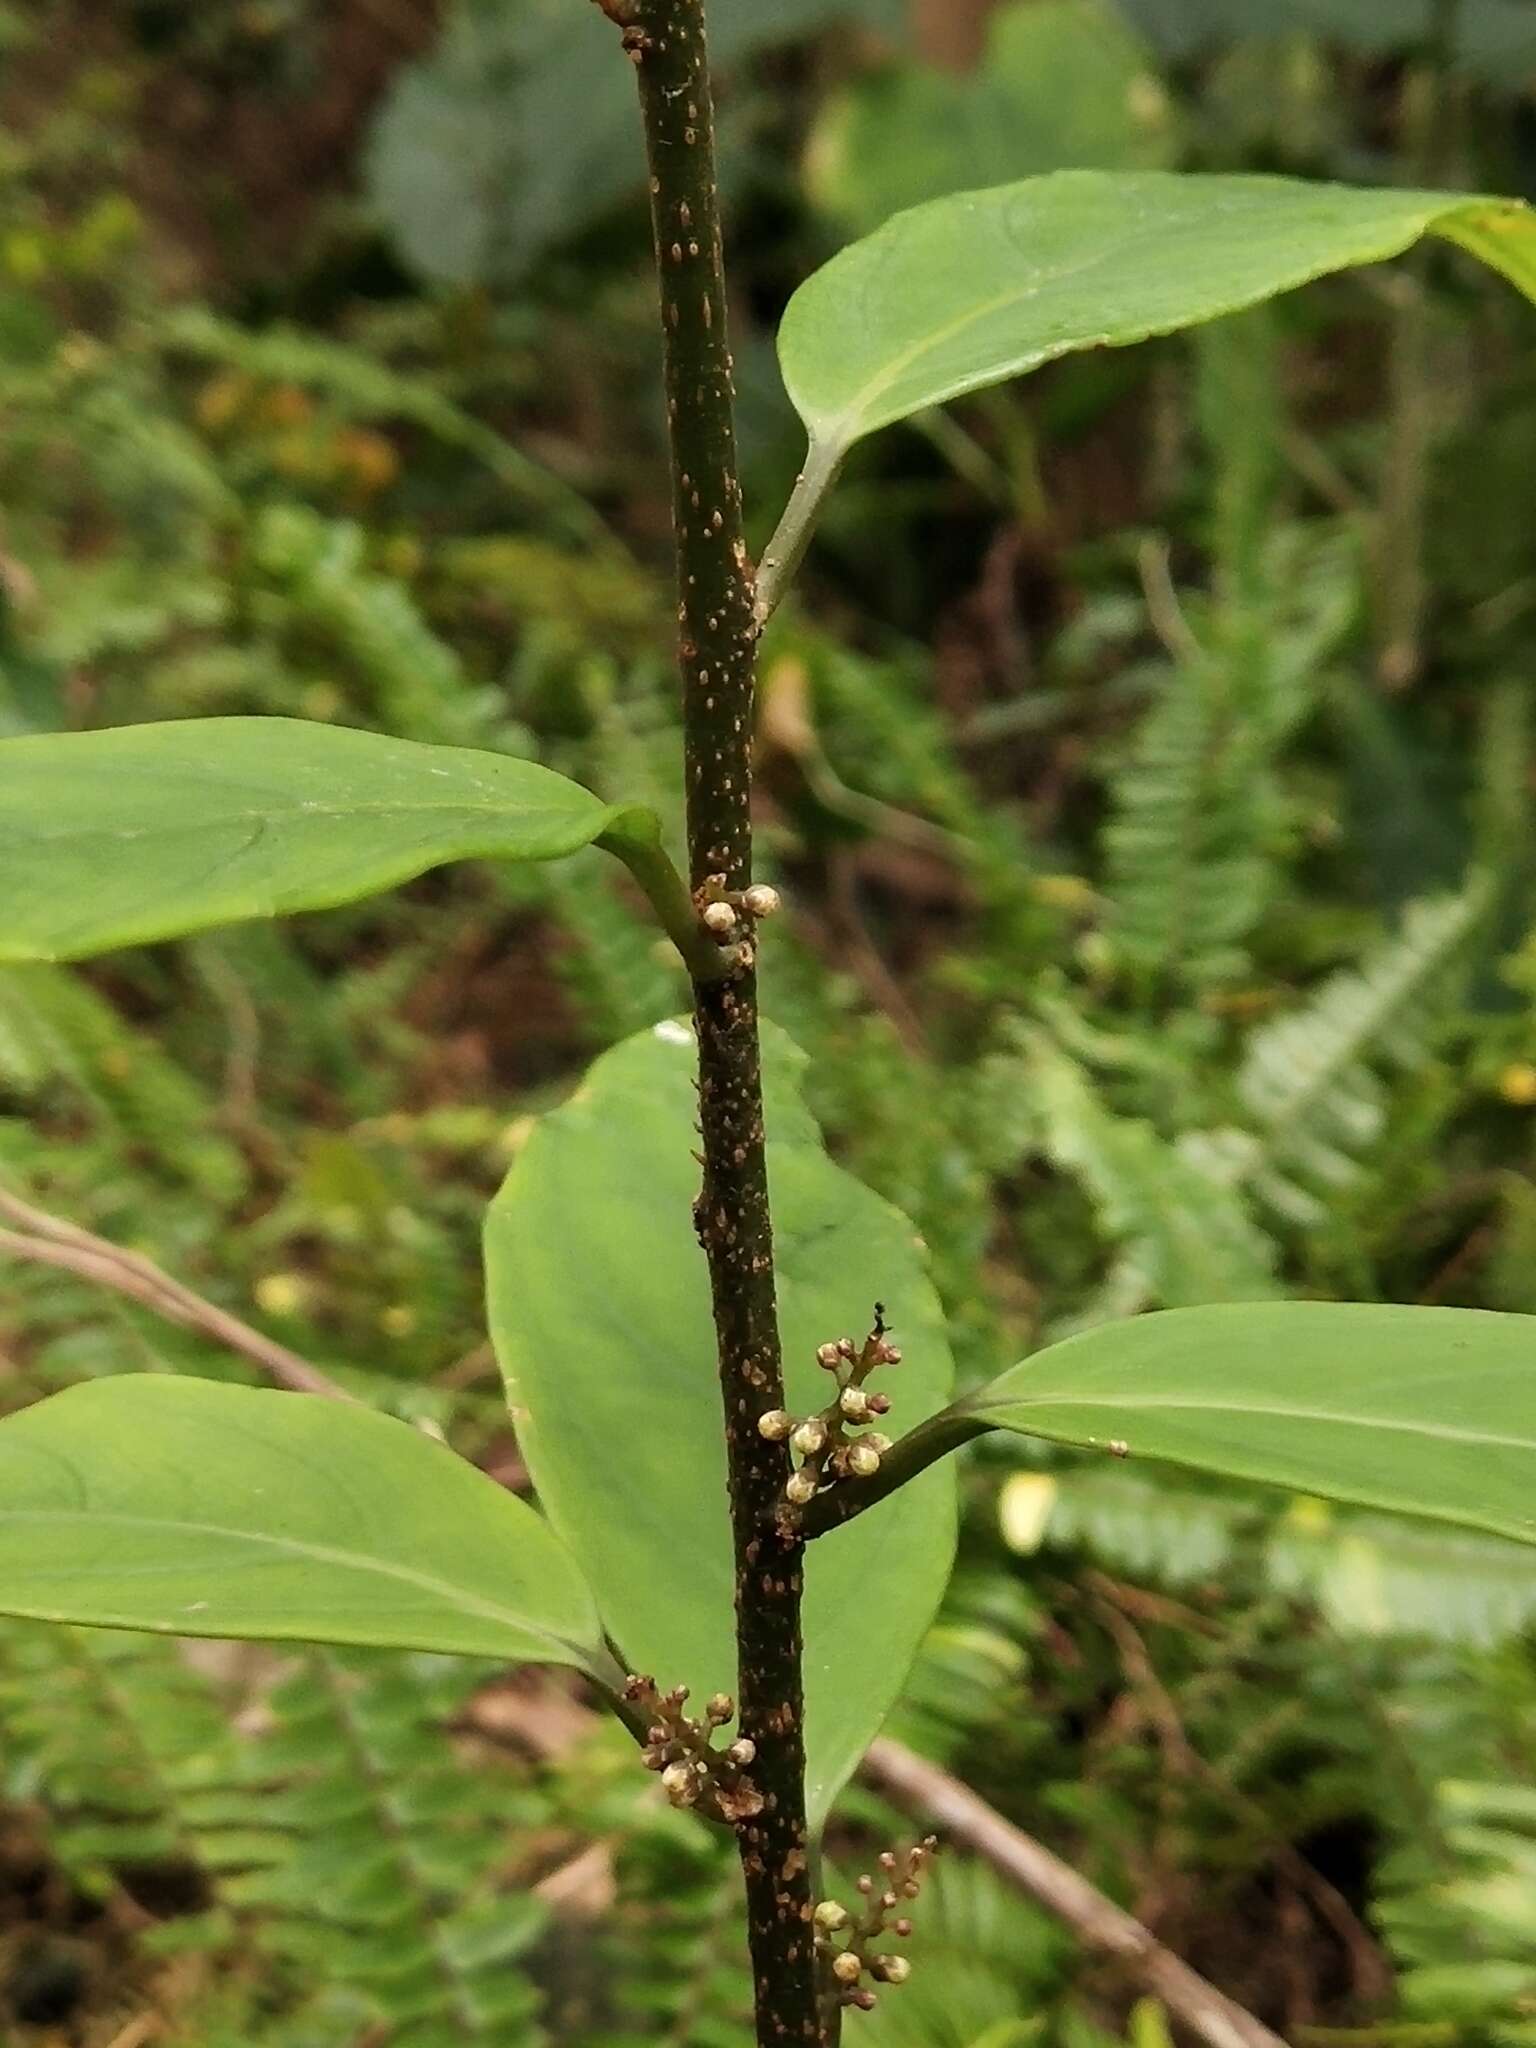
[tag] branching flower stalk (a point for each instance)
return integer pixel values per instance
(665, 40)
(849, 1965)
(829, 1457)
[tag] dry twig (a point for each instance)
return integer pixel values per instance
(931, 1793)
(48, 1240)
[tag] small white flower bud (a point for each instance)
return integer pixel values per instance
(828, 1357)
(854, 1403)
(720, 1708)
(775, 1425)
(742, 1751)
(720, 919)
(863, 1460)
(891, 1969)
(845, 1347)
(681, 1783)
(760, 900)
(830, 1916)
(847, 1968)
(799, 1488)
(877, 1443)
(809, 1438)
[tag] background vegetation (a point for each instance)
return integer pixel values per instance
(1148, 762)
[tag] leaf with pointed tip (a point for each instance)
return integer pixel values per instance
(975, 288)
(194, 1509)
(600, 1311)
(1426, 1411)
(150, 831)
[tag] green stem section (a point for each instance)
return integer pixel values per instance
(637, 843)
(717, 647)
(792, 536)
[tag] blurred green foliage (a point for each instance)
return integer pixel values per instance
(1147, 759)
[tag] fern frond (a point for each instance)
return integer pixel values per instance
(1199, 818)
(1183, 1229)
(351, 1860)
(1467, 1942)
(418, 683)
(393, 1887)
(57, 1032)
(358, 385)
(1311, 1079)
(139, 451)
(1368, 1575)
(123, 608)
(132, 1753)
(1374, 1576)
(616, 973)
(971, 1668)
(674, 1943)
(1187, 872)
(1158, 1529)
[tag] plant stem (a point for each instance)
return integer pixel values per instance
(717, 647)
(792, 535)
(637, 842)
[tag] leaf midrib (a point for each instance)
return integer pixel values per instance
(471, 1604)
(292, 812)
(1271, 1411)
(841, 429)
(839, 426)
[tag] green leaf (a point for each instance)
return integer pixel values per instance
(191, 1509)
(518, 129)
(599, 1307)
(1063, 83)
(972, 289)
(1425, 1411)
(151, 831)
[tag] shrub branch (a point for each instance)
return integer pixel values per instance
(665, 40)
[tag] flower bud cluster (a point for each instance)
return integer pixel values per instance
(680, 1747)
(730, 916)
(822, 1443)
(845, 1949)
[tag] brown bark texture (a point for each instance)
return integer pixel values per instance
(665, 40)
